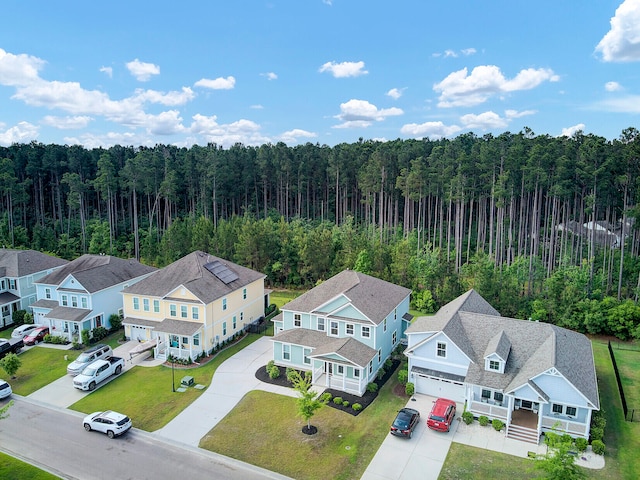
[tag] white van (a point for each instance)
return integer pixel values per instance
(97, 352)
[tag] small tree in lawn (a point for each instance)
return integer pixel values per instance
(10, 364)
(558, 463)
(308, 402)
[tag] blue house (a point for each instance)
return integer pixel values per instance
(84, 293)
(342, 330)
(535, 377)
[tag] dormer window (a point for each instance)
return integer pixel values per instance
(441, 350)
(494, 365)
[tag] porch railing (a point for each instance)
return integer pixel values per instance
(565, 425)
(488, 409)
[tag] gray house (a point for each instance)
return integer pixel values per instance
(533, 376)
(19, 270)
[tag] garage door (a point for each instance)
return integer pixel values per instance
(440, 388)
(138, 333)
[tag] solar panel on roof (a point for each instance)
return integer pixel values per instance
(221, 271)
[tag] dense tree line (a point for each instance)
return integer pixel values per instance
(436, 216)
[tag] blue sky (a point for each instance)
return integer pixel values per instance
(321, 71)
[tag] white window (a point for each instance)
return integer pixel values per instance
(241, 317)
(185, 340)
(84, 302)
(498, 397)
(286, 351)
(136, 303)
(224, 329)
(12, 283)
(395, 314)
(224, 304)
(47, 293)
(384, 326)
(244, 293)
(196, 339)
(195, 313)
(334, 328)
(556, 408)
(234, 322)
(321, 324)
(297, 321)
(183, 311)
(156, 306)
(74, 301)
(350, 329)
(366, 332)
(571, 411)
(173, 310)
(340, 370)
(394, 338)
(379, 355)
(307, 359)
(441, 349)
(370, 368)
(65, 300)
(494, 365)
(356, 372)
(145, 304)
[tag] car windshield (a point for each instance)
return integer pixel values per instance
(124, 421)
(82, 358)
(90, 372)
(437, 418)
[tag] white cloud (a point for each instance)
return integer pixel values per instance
(327, 2)
(450, 53)
(344, 69)
(219, 83)
(90, 140)
(625, 104)
(66, 123)
(429, 129)
(622, 41)
(107, 70)
(516, 114)
(270, 75)
(569, 131)
(468, 51)
(142, 70)
(612, 86)
(395, 93)
(23, 132)
(170, 98)
(257, 107)
(461, 89)
(243, 131)
(17, 70)
(292, 136)
(360, 113)
(484, 121)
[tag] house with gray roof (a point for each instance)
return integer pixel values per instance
(84, 293)
(19, 270)
(191, 306)
(533, 376)
(342, 330)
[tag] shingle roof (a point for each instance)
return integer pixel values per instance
(18, 263)
(500, 345)
(177, 327)
(373, 297)
(534, 347)
(97, 272)
(190, 273)
(69, 314)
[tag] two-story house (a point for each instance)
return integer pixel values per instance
(192, 305)
(84, 293)
(19, 270)
(342, 330)
(532, 376)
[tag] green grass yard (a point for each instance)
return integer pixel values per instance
(13, 469)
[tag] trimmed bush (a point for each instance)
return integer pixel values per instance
(403, 376)
(581, 444)
(345, 403)
(409, 388)
(372, 387)
(356, 407)
(597, 434)
(99, 333)
(337, 400)
(483, 420)
(55, 339)
(497, 424)
(325, 397)
(467, 417)
(18, 317)
(598, 447)
(270, 365)
(274, 372)
(388, 363)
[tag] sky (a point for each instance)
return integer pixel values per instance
(141, 73)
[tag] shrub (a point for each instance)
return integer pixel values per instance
(467, 417)
(345, 403)
(55, 339)
(85, 337)
(99, 333)
(18, 317)
(380, 374)
(372, 387)
(596, 434)
(337, 400)
(409, 388)
(10, 364)
(581, 444)
(356, 407)
(497, 424)
(115, 321)
(483, 420)
(388, 363)
(274, 372)
(270, 365)
(28, 318)
(598, 447)
(403, 376)
(325, 397)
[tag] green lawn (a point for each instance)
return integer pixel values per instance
(629, 367)
(264, 430)
(465, 462)
(145, 394)
(14, 469)
(40, 366)
(281, 297)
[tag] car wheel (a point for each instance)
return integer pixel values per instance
(118, 369)
(410, 433)
(87, 427)
(110, 434)
(92, 386)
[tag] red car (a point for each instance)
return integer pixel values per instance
(36, 336)
(442, 415)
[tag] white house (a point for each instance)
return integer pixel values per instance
(533, 376)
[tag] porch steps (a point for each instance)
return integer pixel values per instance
(524, 434)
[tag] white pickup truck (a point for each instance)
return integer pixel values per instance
(98, 372)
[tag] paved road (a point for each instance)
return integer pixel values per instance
(54, 440)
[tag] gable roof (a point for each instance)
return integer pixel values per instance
(18, 263)
(500, 345)
(472, 324)
(191, 273)
(97, 272)
(375, 298)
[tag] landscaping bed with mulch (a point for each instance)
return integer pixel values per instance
(365, 400)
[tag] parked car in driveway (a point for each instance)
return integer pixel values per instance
(24, 330)
(36, 336)
(406, 420)
(89, 356)
(442, 414)
(5, 389)
(12, 345)
(112, 423)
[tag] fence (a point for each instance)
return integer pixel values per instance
(628, 413)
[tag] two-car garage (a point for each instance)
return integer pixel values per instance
(438, 384)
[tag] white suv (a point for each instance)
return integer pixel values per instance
(97, 352)
(5, 389)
